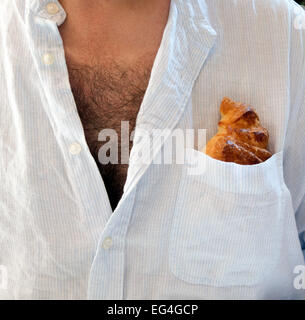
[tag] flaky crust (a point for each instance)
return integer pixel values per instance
(240, 137)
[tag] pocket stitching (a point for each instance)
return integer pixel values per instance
(204, 280)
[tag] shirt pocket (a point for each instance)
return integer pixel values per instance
(228, 221)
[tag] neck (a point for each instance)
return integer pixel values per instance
(114, 27)
(120, 4)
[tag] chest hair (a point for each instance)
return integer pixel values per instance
(105, 95)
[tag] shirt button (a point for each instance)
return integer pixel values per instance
(107, 243)
(75, 148)
(52, 8)
(48, 59)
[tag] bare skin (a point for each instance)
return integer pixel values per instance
(110, 47)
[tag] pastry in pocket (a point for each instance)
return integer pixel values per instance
(240, 137)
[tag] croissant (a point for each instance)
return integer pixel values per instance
(240, 137)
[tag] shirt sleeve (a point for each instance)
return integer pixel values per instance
(294, 146)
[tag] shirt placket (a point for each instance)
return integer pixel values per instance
(108, 229)
(49, 57)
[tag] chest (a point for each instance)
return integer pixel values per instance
(106, 95)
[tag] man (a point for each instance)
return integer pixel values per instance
(72, 225)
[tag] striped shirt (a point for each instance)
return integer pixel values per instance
(230, 232)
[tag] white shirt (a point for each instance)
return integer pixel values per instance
(233, 232)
